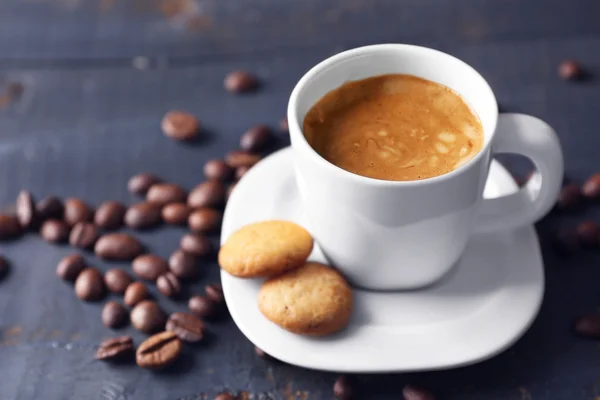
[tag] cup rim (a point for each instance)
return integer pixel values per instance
(295, 128)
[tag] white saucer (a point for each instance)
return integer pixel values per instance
(485, 304)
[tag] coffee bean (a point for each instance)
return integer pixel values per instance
(225, 396)
(215, 293)
(256, 139)
(240, 82)
(588, 233)
(115, 348)
(147, 317)
(207, 194)
(117, 280)
(587, 326)
(566, 242)
(135, 292)
(110, 215)
(70, 267)
(165, 193)
(187, 327)
(591, 187)
(140, 183)
(77, 211)
(158, 351)
(143, 215)
(176, 213)
(4, 267)
(202, 306)
(229, 190)
(569, 198)
(168, 285)
(239, 158)
(196, 245)
(415, 393)
(54, 231)
(26, 212)
(9, 227)
(83, 235)
(149, 266)
(283, 125)
(114, 315)
(342, 388)
(241, 171)
(569, 70)
(183, 265)
(217, 170)
(261, 353)
(117, 246)
(205, 220)
(89, 285)
(180, 125)
(50, 207)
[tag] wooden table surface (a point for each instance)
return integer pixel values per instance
(84, 84)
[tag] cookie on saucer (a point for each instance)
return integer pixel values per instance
(311, 300)
(264, 249)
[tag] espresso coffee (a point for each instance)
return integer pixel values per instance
(394, 127)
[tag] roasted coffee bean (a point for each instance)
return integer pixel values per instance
(176, 213)
(165, 193)
(89, 285)
(135, 292)
(114, 315)
(229, 190)
(115, 348)
(147, 317)
(183, 265)
(140, 183)
(54, 231)
(566, 242)
(117, 280)
(196, 245)
(9, 227)
(202, 306)
(342, 388)
(117, 246)
(70, 267)
(240, 82)
(205, 220)
(569, 70)
(239, 158)
(168, 284)
(110, 215)
(261, 353)
(77, 211)
(149, 266)
(158, 351)
(180, 125)
(587, 326)
(591, 187)
(569, 198)
(217, 170)
(241, 171)
(256, 139)
(50, 207)
(207, 194)
(415, 393)
(225, 396)
(588, 233)
(215, 293)
(283, 125)
(187, 327)
(26, 212)
(143, 215)
(83, 235)
(4, 267)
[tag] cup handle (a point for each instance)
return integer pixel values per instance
(536, 140)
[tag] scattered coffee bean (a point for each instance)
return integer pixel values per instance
(180, 125)
(158, 351)
(117, 280)
(240, 82)
(261, 353)
(135, 293)
(147, 317)
(140, 183)
(70, 267)
(26, 212)
(591, 187)
(149, 266)
(415, 393)
(176, 213)
(202, 306)
(217, 170)
(569, 197)
(117, 246)
(205, 220)
(115, 348)
(196, 245)
(89, 285)
(168, 284)
(283, 125)
(110, 215)
(77, 211)
(4, 267)
(342, 388)
(9, 227)
(589, 233)
(114, 315)
(566, 242)
(183, 265)
(229, 190)
(587, 326)
(83, 235)
(215, 293)
(241, 171)
(569, 70)
(207, 194)
(239, 158)
(224, 396)
(54, 231)
(165, 193)
(256, 139)
(50, 207)
(143, 215)
(187, 327)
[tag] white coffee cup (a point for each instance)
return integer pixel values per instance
(407, 234)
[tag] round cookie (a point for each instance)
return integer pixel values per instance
(311, 300)
(265, 249)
